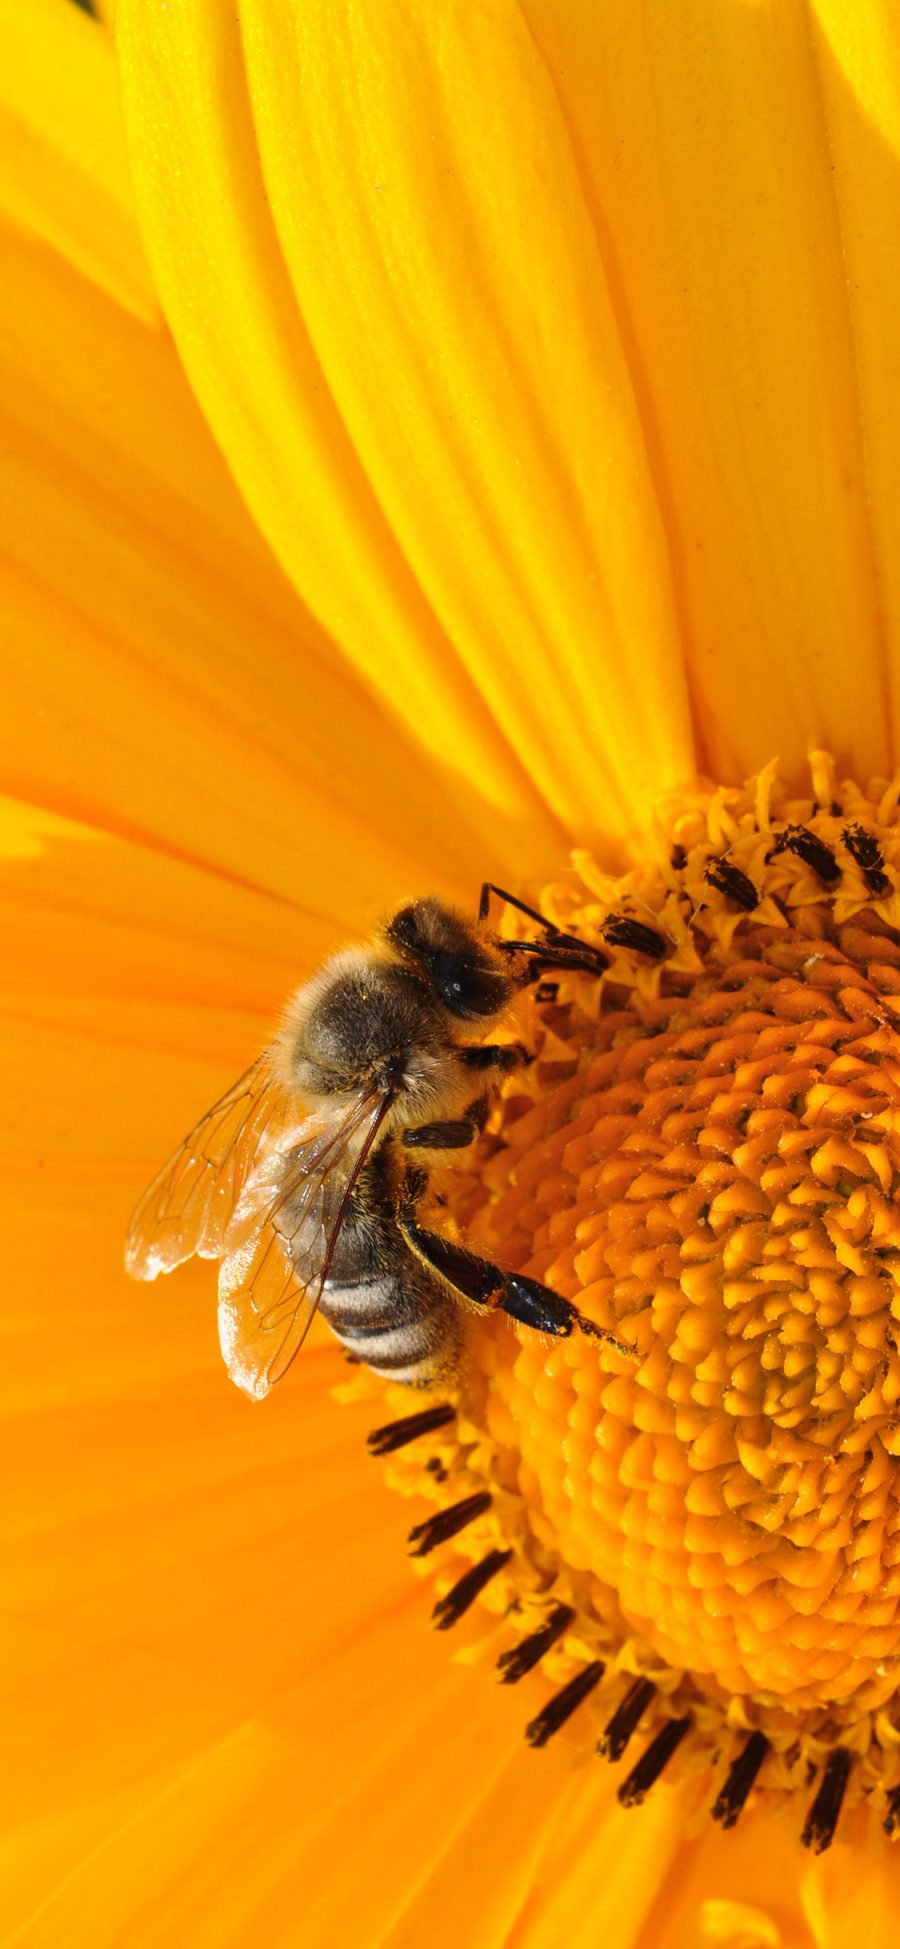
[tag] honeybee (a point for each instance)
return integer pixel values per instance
(304, 1180)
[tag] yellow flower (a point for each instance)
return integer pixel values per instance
(526, 444)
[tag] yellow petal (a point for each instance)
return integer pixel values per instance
(751, 210)
(400, 325)
(64, 174)
(160, 676)
(857, 54)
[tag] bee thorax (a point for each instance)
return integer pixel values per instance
(367, 1023)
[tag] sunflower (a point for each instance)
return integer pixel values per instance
(448, 444)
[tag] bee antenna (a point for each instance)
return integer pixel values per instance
(512, 900)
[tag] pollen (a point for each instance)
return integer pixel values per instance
(690, 1548)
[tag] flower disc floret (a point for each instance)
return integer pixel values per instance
(705, 1154)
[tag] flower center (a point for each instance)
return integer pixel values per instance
(701, 1544)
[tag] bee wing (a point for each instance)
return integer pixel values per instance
(189, 1206)
(282, 1239)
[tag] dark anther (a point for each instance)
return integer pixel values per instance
(678, 858)
(448, 1522)
(451, 1608)
(620, 931)
(623, 1722)
(728, 879)
(811, 849)
(651, 1763)
(741, 1775)
(824, 1813)
(835, 809)
(546, 991)
(864, 848)
(892, 1817)
(563, 1704)
(396, 1434)
(523, 1657)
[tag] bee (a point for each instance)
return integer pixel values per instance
(305, 1179)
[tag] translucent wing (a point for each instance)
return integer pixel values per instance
(281, 1242)
(189, 1206)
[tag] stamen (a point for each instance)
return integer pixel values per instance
(735, 885)
(620, 931)
(625, 1720)
(651, 1763)
(741, 1775)
(453, 1606)
(563, 1704)
(446, 1523)
(824, 1813)
(524, 1656)
(396, 1434)
(863, 847)
(812, 850)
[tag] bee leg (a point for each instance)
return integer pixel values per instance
(475, 1279)
(441, 1136)
(545, 1311)
(484, 1284)
(567, 952)
(495, 1055)
(557, 949)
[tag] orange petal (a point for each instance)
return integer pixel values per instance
(88, 915)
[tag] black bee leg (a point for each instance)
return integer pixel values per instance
(545, 1311)
(525, 1300)
(495, 1055)
(535, 1305)
(441, 1136)
(476, 1279)
(558, 952)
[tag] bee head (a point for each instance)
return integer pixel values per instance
(458, 960)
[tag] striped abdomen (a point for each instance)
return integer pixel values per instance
(383, 1304)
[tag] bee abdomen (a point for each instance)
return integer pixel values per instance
(406, 1328)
